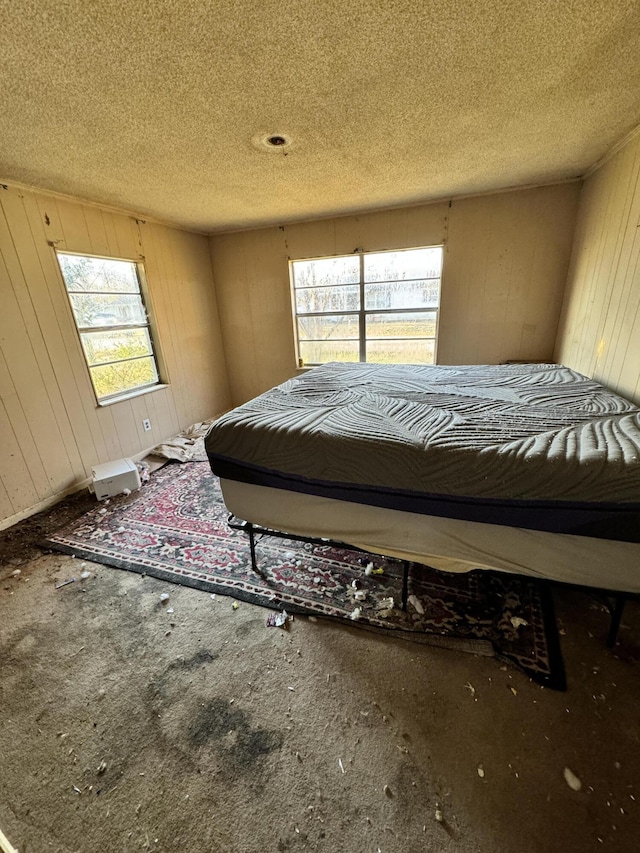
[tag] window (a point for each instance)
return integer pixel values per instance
(380, 306)
(108, 307)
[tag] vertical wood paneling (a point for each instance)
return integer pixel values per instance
(184, 320)
(462, 294)
(18, 487)
(229, 255)
(95, 228)
(185, 314)
(48, 214)
(18, 444)
(165, 413)
(51, 429)
(599, 332)
(171, 291)
(111, 235)
(6, 507)
(124, 426)
(505, 267)
(625, 371)
(159, 309)
(74, 227)
(59, 333)
(605, 236)
(620, 317)
(506, 259)
(27, 358)
(269, 304)
(201, 310)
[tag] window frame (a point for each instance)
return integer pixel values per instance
(148, 326)
(362, 312)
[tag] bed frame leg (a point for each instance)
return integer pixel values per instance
(252, 547)
(616, 616)
(405, 583)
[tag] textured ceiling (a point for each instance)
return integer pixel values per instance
(159, 107)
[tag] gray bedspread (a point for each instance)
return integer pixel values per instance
(516, 432)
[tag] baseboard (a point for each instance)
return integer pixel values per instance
(52, 500)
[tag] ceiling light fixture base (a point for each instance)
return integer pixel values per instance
(273, 142)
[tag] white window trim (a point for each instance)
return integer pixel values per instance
(129, 395)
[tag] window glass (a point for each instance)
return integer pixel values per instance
(311, 300)
(124, 376)
(96, 310)
(375, 306)
(327, 271)
(114, 345)
(401, 325)
(320, 352)
(108, 307)
(408, 264)
(336, 326)
(424, 293)
(401, 352)
(98, 275)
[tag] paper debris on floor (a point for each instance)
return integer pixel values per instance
(278, 620)
(187, 446)
(572, 780)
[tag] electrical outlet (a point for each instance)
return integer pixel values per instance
(146, 423)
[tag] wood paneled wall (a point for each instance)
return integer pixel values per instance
(506, 260)
(599, 333)
(51, 429)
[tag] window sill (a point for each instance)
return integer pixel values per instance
(139, 392)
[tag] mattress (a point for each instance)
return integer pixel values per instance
(533, 446)
(447, 544)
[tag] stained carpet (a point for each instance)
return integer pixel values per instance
(175, 528)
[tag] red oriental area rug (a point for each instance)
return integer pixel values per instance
(176, 529)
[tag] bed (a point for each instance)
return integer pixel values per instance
(525, 468)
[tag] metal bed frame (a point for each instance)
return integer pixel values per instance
(615, 606)
(252, 530)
